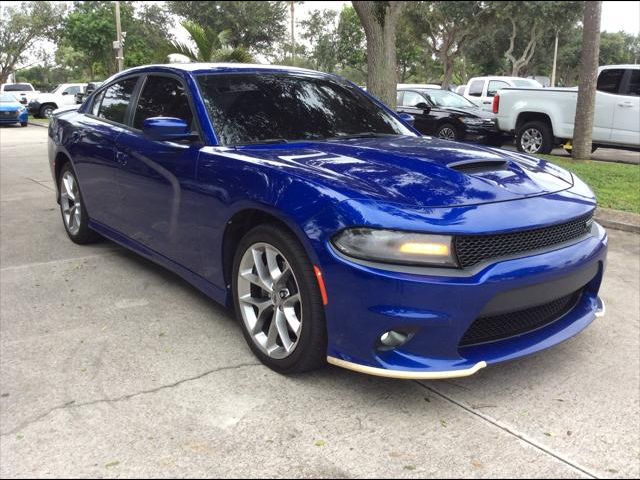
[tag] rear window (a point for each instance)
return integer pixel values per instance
(17, 87)
(609, 80)
(475, 88)
(522, 83)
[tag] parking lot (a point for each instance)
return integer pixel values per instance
(113, 367)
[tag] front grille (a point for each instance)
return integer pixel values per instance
(8, 115)
(473, 249)
(499, 327)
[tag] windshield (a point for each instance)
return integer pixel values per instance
(444, 98)
(272, 107)
(527, 83)
(7, 98)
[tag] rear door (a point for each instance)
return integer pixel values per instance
(92, 147)
(626, 113)
(160, 204)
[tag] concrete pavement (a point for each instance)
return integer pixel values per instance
(113, 367)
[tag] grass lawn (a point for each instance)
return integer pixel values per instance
(616, 185)
(42, 121)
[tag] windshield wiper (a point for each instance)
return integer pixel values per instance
(347, 136)
(266, 141)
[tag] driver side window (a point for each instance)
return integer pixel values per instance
(412, 99)
(162, 97)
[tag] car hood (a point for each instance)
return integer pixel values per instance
(418, 171)
(9, 107)
(469, 112)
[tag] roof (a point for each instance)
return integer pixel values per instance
(197, 67)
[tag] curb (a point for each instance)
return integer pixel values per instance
(625, 221)
(38, 124)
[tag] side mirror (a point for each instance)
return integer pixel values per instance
(65, 93)
(424, 106)
(166, 128)
(407, 117)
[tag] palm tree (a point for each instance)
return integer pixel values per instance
(210, 46)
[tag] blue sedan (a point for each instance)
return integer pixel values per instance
(333, 229)
(12, 111)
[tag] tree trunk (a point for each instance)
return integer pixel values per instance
(379, 20)
(447, 64)
(588, 80)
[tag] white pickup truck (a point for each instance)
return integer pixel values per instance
(543, 119)
(43, 105)
(24, 92)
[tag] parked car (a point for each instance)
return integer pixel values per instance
(481, 90)
(24, 92)
(448, 115)
(81, 95)
(64, 94)
(12, 111)
(544, 119)
(336, 232)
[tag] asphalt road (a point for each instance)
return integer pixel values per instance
(112, 367)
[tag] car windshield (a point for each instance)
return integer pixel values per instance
(444, 98)
(527, 83)
(276, 107)
(7, 98)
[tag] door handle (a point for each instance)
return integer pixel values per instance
(625, 104)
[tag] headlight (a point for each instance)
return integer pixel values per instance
(390, 246)
(472, 121)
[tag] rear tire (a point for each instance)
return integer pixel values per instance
(23, 124)
(290, 300)
(46, 110)
(534, 137)
(74, 213)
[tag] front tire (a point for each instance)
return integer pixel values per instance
(447, 132)
(277, 301)
(534, 137)
(72, 208)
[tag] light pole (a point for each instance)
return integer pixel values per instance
(555, 60)
(293, 38)
(117, 45)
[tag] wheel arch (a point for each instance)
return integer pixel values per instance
(247, 218)
(526, 117)
(60, 160)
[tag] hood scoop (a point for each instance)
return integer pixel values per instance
(479, 166)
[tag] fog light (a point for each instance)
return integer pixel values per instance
(393, 339)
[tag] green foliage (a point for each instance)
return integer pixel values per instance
(210, 46)
(253, 26)
(351, 46)
(89, 32)
(21, 27)
(320, 32)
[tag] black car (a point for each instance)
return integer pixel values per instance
(91, 86)
(444, 114)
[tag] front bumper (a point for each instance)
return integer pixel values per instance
(13, 117)
(439, 309)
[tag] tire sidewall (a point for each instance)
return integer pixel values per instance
(84, 234)
(310, 352)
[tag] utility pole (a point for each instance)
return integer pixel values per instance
(117, 45)
(555, 60)
(293, 38)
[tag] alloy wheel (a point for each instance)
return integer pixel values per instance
(447, 133)
(70, 203)
(270, 300)
(531, 140)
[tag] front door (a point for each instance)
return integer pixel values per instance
(159, 205)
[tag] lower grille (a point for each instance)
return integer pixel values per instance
(500, 327)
